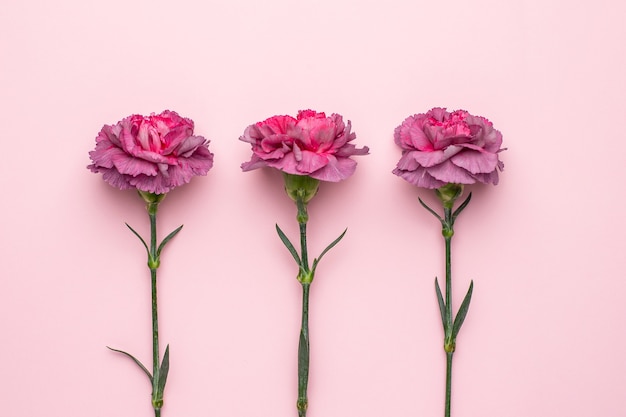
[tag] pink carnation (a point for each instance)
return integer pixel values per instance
(312, 144)
(441, 147)
(152, 154)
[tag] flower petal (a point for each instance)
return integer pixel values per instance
(450, 173)
(419, 177)
(105, 153)
(311, 162)
(199, 163)
(114, 178)
(476, 162)
(337, 169)
(254, 163)
(188, 146)
(128, 165)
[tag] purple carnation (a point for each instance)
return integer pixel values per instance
(153, 154)
(311, 144)
(440, 148)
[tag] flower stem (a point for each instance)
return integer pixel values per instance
(448, 382)
(451, 325)
(303, 354)
(448, 231)
(449, 342)
(305, 277)
(153, 264)
(303, 245)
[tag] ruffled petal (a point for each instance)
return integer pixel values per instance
(189, 146)
(114, 178)
(476, 162)
(450, 173)
(407, 162)
(254, 163)
(488, 178)
(311, 162)
(128, 165)
(105, 153)
(199, 163)
(337, 169)
(419, 177)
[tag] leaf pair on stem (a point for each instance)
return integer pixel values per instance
(301, 190)
(160, 368)
(451, 325)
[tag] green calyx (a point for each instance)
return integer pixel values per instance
(301, 186)
(449, 193)
(152, 200)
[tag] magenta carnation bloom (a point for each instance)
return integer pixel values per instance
(152, 154)
(439, 148)
(312, 144)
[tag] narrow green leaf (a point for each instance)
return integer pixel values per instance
(140, 238)
(460, 315)
(167, 239)
(442, 304)
(134, 360)
(329, 247)
(303, 361)
(165, 367)
(289, 246)
(462, 206)
(433, 212)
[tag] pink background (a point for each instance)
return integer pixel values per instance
(545, 334)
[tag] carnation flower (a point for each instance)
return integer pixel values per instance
(153, 154)
(311, 144)
(439, 147)
(308, 149)
(443, 151)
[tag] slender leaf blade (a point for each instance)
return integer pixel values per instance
(163, 371)
(329, 247)
(134, 360)
(289, 245)
(442, 304)
(431, 211)
(462, 206)
(303, 361)
(140, 238)
(460, 315)
(167, 239)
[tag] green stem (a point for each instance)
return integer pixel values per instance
(451, 326)
(303, 218)
(448, 231)
(448, 382)
(304, 254)
(153, 264)
(303, 354)
(305, 278)
(449, 342)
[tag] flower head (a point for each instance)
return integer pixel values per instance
(152, 154)
(311, 144)
(440, 148)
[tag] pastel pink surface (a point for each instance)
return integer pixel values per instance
(545, 333)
